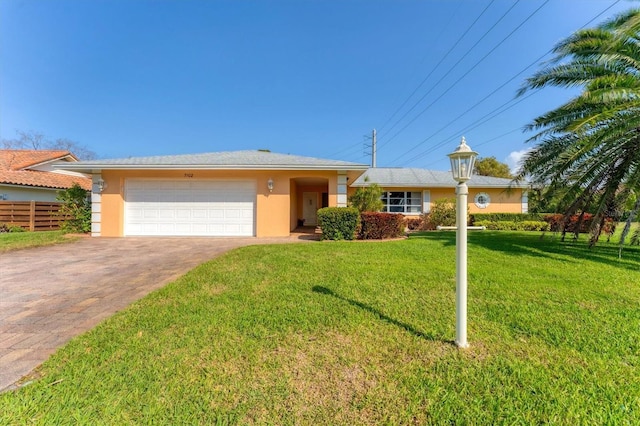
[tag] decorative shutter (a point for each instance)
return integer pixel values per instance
(426, 201)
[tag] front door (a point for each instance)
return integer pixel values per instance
(310, 208)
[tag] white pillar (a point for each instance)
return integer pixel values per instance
(461, 265)
(342, 189)
(96, 206)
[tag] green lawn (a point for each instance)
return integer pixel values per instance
(20, 240)
(361, 333)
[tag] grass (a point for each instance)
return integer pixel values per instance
(618, 232)
(21, 240)
(361, 333)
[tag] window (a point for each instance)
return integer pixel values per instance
(405, 202)
(482, 200)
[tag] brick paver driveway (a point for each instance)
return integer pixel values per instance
(50, 294)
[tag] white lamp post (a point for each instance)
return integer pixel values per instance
(462, 162)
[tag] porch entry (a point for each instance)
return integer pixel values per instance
(310, 208)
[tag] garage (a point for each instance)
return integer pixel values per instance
(189, 207)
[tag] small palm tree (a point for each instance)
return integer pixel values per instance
(588, 150)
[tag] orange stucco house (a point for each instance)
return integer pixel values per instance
(256, 193)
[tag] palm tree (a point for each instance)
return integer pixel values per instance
(588, 150)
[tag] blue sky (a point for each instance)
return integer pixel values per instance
(305, 77)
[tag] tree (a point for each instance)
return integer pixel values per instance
(36, 140)
(75, 208)
(490, 166)
(367, 199)
(588, 150)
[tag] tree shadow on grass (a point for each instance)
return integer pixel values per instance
(380, 315)
(548, 245)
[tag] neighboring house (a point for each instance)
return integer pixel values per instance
(251, 193)
(413, 191)
(29, 175)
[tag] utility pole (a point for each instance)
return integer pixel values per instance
(373, 148)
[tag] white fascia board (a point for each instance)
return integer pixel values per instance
(96, 168)
(51, 160)
(431, 185)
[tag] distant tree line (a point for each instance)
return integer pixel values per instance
(38, 141)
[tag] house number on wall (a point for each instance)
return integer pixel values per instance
(188, 175)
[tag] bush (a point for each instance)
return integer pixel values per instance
(510, 225)
(378, 226)
(414, 223)
(443, 213)
(4, 228)
(367, 199)
(75, 208)
(535, 225)
(338, 223)
(510, 217)
(557, 223)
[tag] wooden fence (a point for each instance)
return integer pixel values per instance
(31, 215)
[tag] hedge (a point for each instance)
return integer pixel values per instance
(507, 217)
(378, 226)
(510, 225)
(413, 223)
(557, 223)
(338, 223)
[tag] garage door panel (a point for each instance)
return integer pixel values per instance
(189, 207)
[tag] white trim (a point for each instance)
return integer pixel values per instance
(426, 201)
(96, 206)
(95, 168)
(525, 202)
(482, 200)
(194, 224)
(341, 189)
(407, 195)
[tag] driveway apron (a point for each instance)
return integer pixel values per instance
(50, 294)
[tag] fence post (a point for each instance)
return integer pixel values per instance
(32, 216)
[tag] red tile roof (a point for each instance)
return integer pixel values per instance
(15, 163)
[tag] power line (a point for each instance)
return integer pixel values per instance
(487, 96)
(482, 120)
(435, 67)
(352, 148)
(467, 73)
(445, 75)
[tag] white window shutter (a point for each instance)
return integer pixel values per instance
(426, 201)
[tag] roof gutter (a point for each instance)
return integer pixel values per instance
(437, 185)
(96, 168)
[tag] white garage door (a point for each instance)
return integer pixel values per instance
(189, 207)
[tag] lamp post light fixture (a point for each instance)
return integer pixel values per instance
(462, 162)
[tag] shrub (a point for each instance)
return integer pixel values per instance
(4, 228)
(510, 225)
(338, 223)
(414, 223)
(378, 226)
(75, 208)
(511, 217)
(443, 213)
(557, 223)
(535, 225)
(367, 199)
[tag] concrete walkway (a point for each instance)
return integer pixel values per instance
(50, 294)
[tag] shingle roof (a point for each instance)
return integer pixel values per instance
(220, 160)
(15, 163)
(420, 178)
